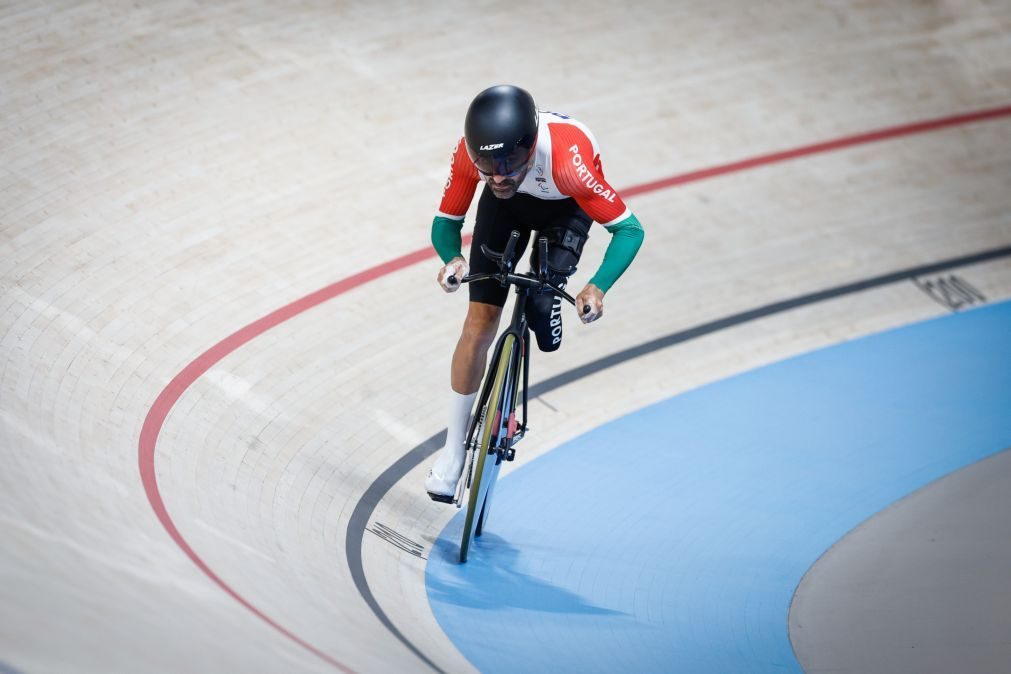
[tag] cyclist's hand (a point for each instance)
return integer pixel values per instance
(591, 297)
(450, 275)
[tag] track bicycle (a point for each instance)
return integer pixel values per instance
(494, 428)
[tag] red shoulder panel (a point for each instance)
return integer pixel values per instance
(460, 186)
(578, 173)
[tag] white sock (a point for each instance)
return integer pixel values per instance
(451, 456)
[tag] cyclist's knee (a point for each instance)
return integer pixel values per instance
(481, 323)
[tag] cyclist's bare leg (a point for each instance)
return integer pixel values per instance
(469, 358)
(471, 352)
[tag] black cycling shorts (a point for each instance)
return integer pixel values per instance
(562, 221)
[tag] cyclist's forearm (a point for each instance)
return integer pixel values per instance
(446, 237)
(626, 237)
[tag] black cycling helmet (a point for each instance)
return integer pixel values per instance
(501, 130)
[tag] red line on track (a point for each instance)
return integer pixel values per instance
(170, 395)
(818, 148)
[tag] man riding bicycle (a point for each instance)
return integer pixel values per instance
(543, 173)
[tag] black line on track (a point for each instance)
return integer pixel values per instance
(392, 475)
(360, 519)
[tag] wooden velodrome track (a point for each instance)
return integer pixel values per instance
(186, 472)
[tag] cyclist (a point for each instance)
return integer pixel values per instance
(542, 172)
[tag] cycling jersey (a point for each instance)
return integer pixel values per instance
(566, 165)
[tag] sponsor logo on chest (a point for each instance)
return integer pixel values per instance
(541, 180)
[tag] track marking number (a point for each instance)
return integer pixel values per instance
(951, 291)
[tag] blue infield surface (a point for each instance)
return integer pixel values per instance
(672, 539)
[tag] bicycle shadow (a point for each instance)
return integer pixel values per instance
(490, 579)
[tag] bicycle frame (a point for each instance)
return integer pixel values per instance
(493, 429)
(520, 332)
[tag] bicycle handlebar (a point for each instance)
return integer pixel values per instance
(506, 277)
(525, 281)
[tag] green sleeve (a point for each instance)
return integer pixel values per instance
(446, 237)
(626, 237)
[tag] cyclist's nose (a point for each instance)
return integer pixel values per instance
(497, 179)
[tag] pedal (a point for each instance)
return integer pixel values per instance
(510, 454)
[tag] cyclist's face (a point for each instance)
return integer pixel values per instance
(504, 186)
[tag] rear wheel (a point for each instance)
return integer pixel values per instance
(503, 447)
(482, 520)
(486, 470)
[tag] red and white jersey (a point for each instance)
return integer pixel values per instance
(566, 164)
